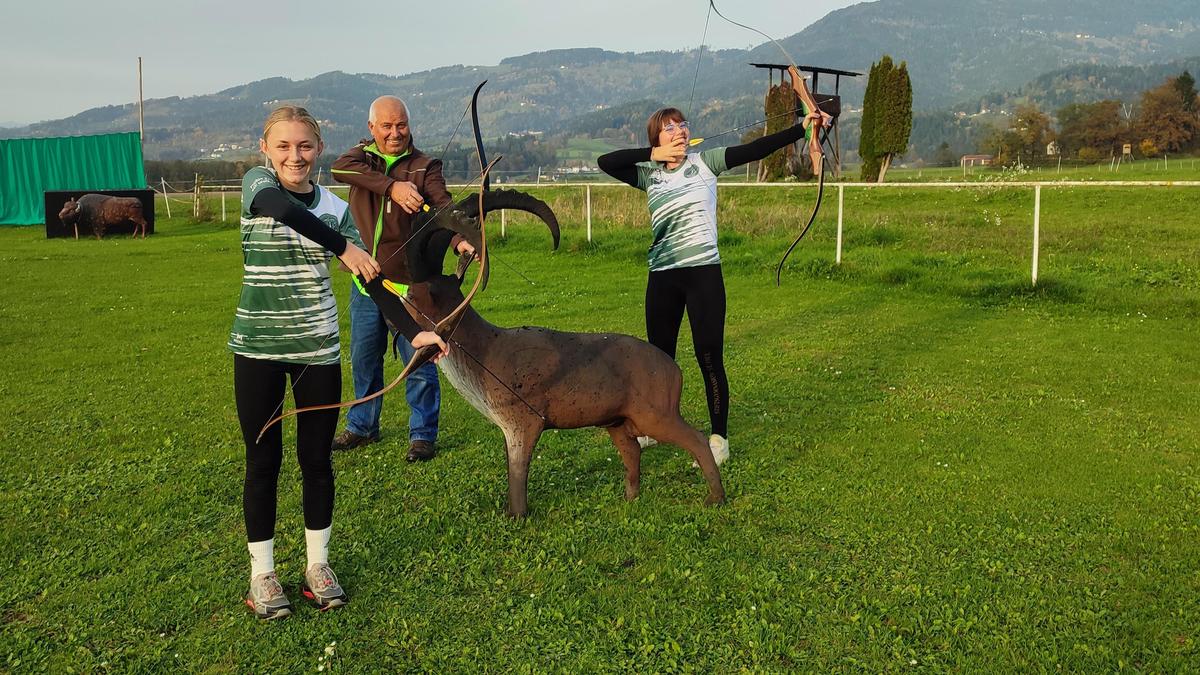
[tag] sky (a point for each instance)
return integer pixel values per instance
(61, 57)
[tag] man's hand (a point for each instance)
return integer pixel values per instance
(359, 262)
(464, 246)
(671, 153)
(428, 337)
(405, 194)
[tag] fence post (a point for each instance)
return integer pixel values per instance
(502, 234)
(841, 207)
(1037, 220)
(588, 209)
(166, 199)
(222, 204)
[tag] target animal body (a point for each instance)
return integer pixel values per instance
(529, 379)
(101, 212)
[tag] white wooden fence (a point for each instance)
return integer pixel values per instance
(841, 190)
(841, 197)
(1037, 200)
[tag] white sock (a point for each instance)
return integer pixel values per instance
(720, 448)
(262, 556)
(318, 545)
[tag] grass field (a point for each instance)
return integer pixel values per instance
(935, 466)
(586, 149)
(1139, 170)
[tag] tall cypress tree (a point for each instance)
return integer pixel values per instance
(894, 121)
(866, 141)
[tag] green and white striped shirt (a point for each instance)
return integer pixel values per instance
(287, 310)
(683, 210)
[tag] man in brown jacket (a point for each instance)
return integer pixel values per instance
(390, 181)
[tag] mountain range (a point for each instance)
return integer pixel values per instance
(959, 54)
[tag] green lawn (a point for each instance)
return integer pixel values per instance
(934, 464)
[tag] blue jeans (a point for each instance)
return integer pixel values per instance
(368, 344)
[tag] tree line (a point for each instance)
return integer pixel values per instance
(1165, 121)
(523, 154)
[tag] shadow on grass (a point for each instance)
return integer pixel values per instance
(621, 248)
(962, 277)
(1001, 291)
(820, 268)
(727, 239)
(878, 236)
(940, 276)
(899, 275)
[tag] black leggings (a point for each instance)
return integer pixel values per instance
(701, 291)
(258, 387)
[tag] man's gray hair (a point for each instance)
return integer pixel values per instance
(386, 99)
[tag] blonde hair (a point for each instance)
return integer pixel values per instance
(291, 113)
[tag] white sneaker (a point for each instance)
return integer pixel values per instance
(645, 442)
(322, 587)
(266, 597)
(720, 450)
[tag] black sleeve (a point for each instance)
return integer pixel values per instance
(753, 151)
(272, 203)
(622, 164)
(391, 307)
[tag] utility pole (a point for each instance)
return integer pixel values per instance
(141, 106)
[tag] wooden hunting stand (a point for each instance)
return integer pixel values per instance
(830, 103)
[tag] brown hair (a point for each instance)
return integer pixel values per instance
(658, 119)
(291, 113)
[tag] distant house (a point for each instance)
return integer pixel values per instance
(976, 160)
(1052, 149)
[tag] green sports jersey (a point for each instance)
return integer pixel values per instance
(287, 310)
(683, 210)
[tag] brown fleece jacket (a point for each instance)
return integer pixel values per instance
(369, 178)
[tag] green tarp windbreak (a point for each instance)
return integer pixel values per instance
(31, 166)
